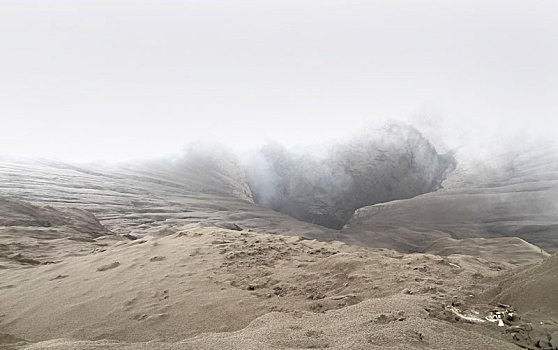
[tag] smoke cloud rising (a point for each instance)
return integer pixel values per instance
(326, 187)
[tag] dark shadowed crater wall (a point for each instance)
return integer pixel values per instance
(326, 187)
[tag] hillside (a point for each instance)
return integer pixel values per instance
(176, 254)
(514, 198)
(214, 288)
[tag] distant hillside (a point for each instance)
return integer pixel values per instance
(204, 188)
(508, 249)
(513, 196)
(516, 197)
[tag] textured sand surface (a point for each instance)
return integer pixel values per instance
(147, 199)
(168, 256)
(215, 288)
(32, 235)
(509, 249)
(533, 289)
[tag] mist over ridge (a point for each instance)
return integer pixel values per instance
(325, 187)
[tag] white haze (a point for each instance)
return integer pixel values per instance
(113, 80)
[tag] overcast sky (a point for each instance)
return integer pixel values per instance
(82, 80)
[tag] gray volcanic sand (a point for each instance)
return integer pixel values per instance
(148, 199)
(32, 235)
(532, 289)
(173, 256)
(270, 291)
(510, 249)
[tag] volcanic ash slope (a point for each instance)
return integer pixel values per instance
(514, 197)
(209, 288)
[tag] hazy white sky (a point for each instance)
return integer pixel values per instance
(83, 80)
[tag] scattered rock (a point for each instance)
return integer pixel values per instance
(108, 266)
(229, 226)
(139, 241)
(59, 277)
(220, 241)
(385, 319)
(24, 260)
(313, 334)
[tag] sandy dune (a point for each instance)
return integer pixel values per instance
(533, 289)
(216, 288)
(512, 250)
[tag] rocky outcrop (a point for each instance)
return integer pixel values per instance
(326, 187)
(32, 235)
(18, 213)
